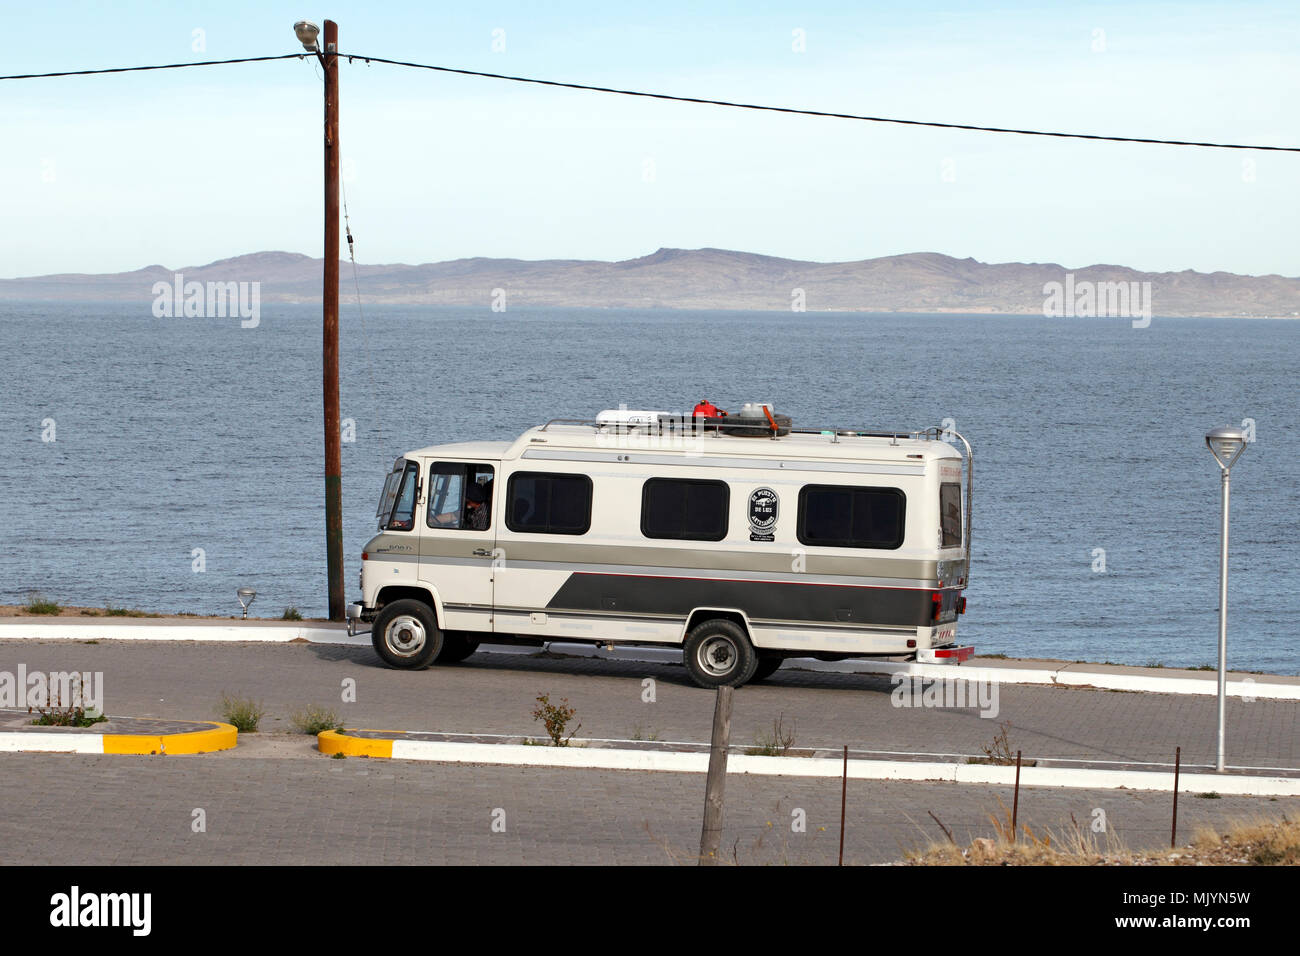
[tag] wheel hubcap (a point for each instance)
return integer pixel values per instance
(405, 636)
(717, 656)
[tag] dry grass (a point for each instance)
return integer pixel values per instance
(1245, 843)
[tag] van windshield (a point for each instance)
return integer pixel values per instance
(397, 505)
(388, 495)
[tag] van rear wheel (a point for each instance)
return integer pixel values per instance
(457, 645)
(767, 666)
(405, 634)
(717, 653)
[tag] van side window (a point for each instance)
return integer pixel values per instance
(685, 509)
(546, 503)
(460, 496)
(842, 516)
(950, 514)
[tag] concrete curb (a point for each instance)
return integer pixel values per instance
(602, 758)
(211, 737)
(1246, 687)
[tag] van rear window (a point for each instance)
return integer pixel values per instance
(950, 514)
(545, 503)
(688, 510)
(844, 516)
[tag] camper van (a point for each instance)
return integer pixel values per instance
(741, 539)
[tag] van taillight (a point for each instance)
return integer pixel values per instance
(937, 599)
(364, 556)
(961, 605)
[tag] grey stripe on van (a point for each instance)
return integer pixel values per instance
(571, 553)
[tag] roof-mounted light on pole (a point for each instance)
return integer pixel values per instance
(1226, 444)
(306, 31)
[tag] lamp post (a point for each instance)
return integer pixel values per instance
(1226, 444)
(307, 32)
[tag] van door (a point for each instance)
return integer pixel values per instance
(458, 541)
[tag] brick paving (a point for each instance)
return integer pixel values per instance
(273, 800)
(300, 808)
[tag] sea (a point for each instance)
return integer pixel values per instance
(161, 463)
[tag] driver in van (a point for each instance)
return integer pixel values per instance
(476, 507)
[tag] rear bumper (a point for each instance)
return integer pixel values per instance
(945, 655)
(354, 612)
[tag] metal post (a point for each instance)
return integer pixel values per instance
(1015, 801)
(330, 346)
(1178, 765)
(716, 784)
(1223, 624)
(844, 800)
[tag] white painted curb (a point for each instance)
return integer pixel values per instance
(593, 758)
(1063, 677)
(51, 743)
(94, 631)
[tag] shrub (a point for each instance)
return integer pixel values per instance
(37, 603)
(774, 744)
(314, 720)
(291, 614)
(556, 717)
(242, 712)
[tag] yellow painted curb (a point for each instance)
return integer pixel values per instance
(213, 736)
(338, 742)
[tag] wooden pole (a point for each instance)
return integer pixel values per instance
(330, 345)
(716, 784)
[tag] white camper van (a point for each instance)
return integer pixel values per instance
(741, 539)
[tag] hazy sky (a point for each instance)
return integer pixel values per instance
(182, 167)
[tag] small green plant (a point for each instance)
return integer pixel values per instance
(555, 718)
(638, 733)
(37, 603)
(774, 744)
(338, 756)
(111, 611)
(1203, 667)
(242, 713)
(73, 714)
(1211, 795)
(291, 614)
(314, 720)
(1154, 663)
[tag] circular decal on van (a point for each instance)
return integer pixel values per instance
(763, 504)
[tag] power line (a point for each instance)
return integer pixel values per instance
(731, 104)
(161, 66)
(822, 113)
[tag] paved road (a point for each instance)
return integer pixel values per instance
(274, 801)
(494, 693)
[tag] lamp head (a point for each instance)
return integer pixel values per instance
(1226, 444)
(306, 31)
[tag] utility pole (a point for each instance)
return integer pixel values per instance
(330, 346)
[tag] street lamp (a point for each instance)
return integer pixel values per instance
(307, 32)
(1226, 444)
(245, 595)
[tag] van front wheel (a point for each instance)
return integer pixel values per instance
(405, 634)
(717, 653)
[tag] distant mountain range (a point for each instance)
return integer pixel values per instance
(700, 279)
